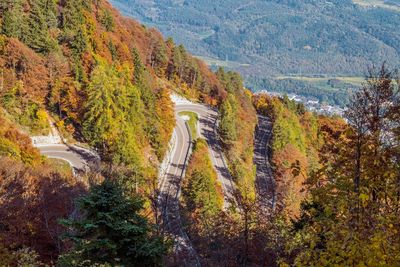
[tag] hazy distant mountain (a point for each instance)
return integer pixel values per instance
(275, 38)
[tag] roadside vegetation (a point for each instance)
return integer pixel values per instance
(236, 129)
(115, 229)
(16, 145)
(355, 191)
(202, 192)
(34, 195)
(344, 176)
(192, 122)
(296, 139)
(60, 166)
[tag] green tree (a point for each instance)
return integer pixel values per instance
(12, 18)
(50, 13)
(202, 192)
(37, 34)
(139, 68)
(73, 26)
(159, 58)
(107, 20)
(232, 81)
(178, 65)
(228, 118)
(287, 129)
(351, 216)
(112, 231)
(114, 115)
(72, 15)
(113, 50)
(153, 126)
(79, 42)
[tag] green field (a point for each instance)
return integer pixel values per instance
(221, 63)
(192, 122)
(323, 82)
(346, 79)
(205, 34)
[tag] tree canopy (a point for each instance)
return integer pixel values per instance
(111, 231)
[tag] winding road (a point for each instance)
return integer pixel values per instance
(207, 130)
(170, 182)
(265, 183)
(52, 146)
(79, 158)
(168, 198)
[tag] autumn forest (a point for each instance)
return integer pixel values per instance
(106, 84)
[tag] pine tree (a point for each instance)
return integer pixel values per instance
(73, 25)
(159, 58)
(201, 190)
(177, 67)
(13, 18)
(113, 50)
(112, 231)
(50, 13)
(37, 33)
(153, 126)
(227, 125)
(103, 119)
(139, 68)
(107, 20)
(72, 15)
(114, 117)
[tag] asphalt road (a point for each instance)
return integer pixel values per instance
(170, 183)
(265, 183)
(207, 130)
(79, 159)
(170, 186)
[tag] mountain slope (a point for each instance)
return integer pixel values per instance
(265, 39)
(106, 81)
(324, 37)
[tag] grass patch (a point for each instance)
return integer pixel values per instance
(323, 82)
(60, 166)
(377, 3)
(221, 63)
(192, 122)
(357, 81)
(204, 35)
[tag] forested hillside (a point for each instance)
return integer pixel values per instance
(345, 175)
(297, 138)
(106, 82)
(236, 136)
(269, 39)
(336, 184)
(65, 57)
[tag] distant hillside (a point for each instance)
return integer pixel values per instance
(265, 39)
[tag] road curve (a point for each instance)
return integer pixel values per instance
(79, 158)
(170, 182)
(207, 130)
(170, 186)
(265, 183)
